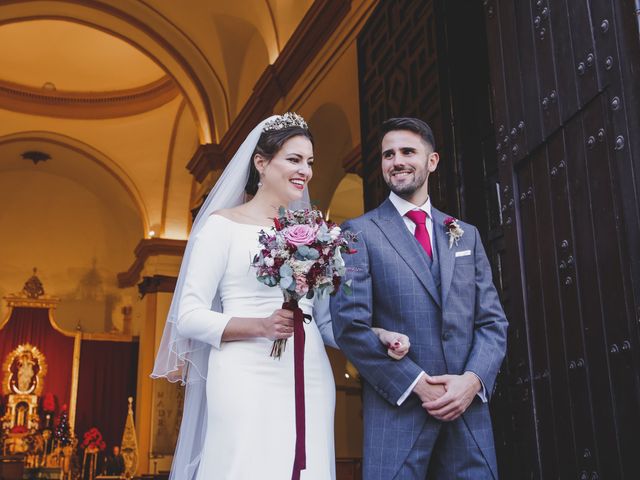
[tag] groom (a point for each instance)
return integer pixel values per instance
(422, 273)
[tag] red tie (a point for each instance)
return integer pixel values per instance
(419, 217)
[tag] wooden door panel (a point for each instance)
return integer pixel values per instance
(565, 231)
(559, 37)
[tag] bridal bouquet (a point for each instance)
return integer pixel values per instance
(302, 254)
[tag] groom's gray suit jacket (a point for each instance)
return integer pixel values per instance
(455, 324)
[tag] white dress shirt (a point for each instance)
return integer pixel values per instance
(403, 206)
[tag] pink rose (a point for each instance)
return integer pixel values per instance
(300, 235)
(301, 285)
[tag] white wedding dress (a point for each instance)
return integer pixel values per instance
(250, 424)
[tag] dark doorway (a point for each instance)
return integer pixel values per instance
(532, 104)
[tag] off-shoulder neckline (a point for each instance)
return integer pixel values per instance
(240, 223)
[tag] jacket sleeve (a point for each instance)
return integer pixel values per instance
(490, 324)
(352, 315)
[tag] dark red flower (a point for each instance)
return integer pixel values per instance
(449, 221)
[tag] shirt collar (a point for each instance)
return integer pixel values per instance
(403, 206)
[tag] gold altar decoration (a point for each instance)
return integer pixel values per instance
(129, 447)
(89, 463)
(23, 370)
(32, 295)
(33, 287)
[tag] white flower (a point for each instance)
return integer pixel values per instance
(335, 232)
(268, 261)
(301, 267)
(454, 231)
(338, 262)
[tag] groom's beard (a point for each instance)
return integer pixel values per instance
(407, 187)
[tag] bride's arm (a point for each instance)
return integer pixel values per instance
(276, 326)
(397, 343)
(206, 267)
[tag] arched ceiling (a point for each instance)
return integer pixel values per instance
(215, 67)
(126, 67)
(74, 164)
(72, 57)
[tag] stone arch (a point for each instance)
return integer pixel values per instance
(152, 34)
(245, 54)
(92, 154)
(348, 199)
(333, 138)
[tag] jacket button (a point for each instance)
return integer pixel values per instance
(446, 335)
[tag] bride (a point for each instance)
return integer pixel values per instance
(239, 413)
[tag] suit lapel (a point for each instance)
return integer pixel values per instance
(394, 228)
(446, 255)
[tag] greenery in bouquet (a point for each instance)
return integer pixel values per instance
(302, 255)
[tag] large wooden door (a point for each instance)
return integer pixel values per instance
(564, 98)
(536, 109)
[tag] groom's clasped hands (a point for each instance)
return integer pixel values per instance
(446, 397)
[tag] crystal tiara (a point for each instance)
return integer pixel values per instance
(288, 120)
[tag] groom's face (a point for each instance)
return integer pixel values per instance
(407, 161)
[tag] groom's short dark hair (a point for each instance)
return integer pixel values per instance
(414, 125)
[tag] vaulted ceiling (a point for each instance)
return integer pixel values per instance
(72, 57)
(111, 76)
(121, 94)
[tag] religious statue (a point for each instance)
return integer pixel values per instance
(22, 411)
(26, 370)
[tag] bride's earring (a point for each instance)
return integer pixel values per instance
(259, 184)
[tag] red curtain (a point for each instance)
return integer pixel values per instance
(108, 373)
(31, 325)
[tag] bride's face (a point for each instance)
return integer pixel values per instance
(289, 171)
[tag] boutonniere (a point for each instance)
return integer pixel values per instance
(454, 230)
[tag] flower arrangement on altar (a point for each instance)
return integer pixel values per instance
(49, 402)
(92, 443)
(19, 429)
(92, 440)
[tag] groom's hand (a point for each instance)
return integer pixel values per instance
(460, 392)
(426, 391)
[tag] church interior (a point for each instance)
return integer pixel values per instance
(117, 117)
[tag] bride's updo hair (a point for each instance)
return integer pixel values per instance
(269, 144)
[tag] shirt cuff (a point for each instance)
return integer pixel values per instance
(482, 394)
(410, 389)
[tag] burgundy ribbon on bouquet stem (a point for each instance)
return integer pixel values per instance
(300, 459)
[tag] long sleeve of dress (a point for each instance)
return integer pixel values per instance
(322, 317)
(206, 267)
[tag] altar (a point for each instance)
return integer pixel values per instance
(58, 407)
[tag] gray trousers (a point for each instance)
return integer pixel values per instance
(446, 451)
